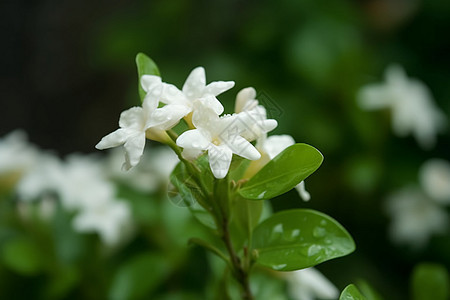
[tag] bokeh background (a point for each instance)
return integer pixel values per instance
(68, 71)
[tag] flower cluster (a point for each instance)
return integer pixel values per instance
(418, 212)
(79, 185)
(411, 104)
(211, 131)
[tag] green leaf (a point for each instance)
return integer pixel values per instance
(430, 279)
(298, 239)
(368, 291)
(145, 66)
(139, 276)
(283, 172)
(351, 293)
(23, 256)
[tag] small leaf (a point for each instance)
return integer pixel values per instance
(430, 279)
(22, 255)
(283, 172)
(139, 276)
(351, 293)
(145, 66)
(300, 238)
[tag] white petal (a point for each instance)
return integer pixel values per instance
(132, 118)
(191, 154)
(167, 116)
(151, 101)
(195, 83)
(245, 100)
(212, 103)
(218, 87)
(302, 191)
(374, 96)
(172, 95)
(219, 160)
(242, 147)
(150, 82)
(274, 144)
(113, 139)
(134, 148)
(193, 139)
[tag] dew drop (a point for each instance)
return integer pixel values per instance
(323, 222)
(278, 267)
(314, 249)
(319, 232)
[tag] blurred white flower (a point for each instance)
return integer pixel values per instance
(411, 104)
(435, 180)
(111, 220)
(274, 145)
(42, 179)
(310, 284)
(16, 153)
(415, 218)
(151, 173)
(220, 136)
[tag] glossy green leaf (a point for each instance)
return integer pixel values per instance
(23, 256)
(138, 277)
(430, 279)
(283, 172)
(351, 292)
(145, 66)
(300, 238)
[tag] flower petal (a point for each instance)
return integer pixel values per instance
(242, 147)
(132, 118)
(150, 82)
(172, 95)
(245, 100)
(193, 139)
(212, 103)
(219, 160)
(218, 87)
(113, 139)
(167, 116)
(134, 148)
(195, 83)
(302, 191)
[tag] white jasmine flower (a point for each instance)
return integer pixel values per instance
(16, 154)
(220, 137)
(110, 220)
(274, 145)
(84, 183)
(310, 284)
(435, 179)
(138, 122)
(415, 217)
(252, 115)
(194, 89)
(43, 179)
(412, 107)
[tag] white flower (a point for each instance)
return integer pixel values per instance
(110, 220)
(16, 154)
(150, 174)
(252, 115)
(194, 89)
(43, 179)
(220, 137)
(412, 107)
(310, 284)
(414, 217)
(435, 179)
(274, 145)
